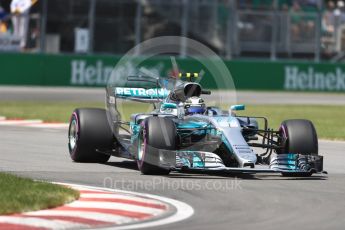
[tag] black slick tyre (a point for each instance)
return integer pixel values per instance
(300, 137)
(89, 131)
(157, 134)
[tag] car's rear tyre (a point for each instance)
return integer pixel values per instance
(88, 131)
(157, 133)
(300, 137)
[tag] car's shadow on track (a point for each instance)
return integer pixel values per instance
(132, 165)
(243, 176)
(123, 164)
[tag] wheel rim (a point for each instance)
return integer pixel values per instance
(73, 134)
(283, 134)
(141, 149)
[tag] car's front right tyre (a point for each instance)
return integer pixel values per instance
(298, 136)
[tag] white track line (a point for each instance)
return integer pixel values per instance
(115, 206)
(39, 222)
(34, 123)
(92, 214)
(183, 210)
(48, 125)
(330, 141)
(20, 122)
(102, 208)
(118, 196)
(111, 218)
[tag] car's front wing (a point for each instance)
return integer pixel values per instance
(197, 161)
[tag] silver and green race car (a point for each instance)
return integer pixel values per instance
(181, 133)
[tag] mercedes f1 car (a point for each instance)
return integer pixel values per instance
(181, 133)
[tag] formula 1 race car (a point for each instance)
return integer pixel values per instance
(181, 133)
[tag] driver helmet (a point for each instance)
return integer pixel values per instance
(194, 105)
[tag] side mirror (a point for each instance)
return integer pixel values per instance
(234, 108)
(169, 106)
(237, 107)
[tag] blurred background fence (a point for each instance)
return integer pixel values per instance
(274, 29)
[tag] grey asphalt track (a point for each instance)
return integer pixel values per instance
(220, 201)
(97, 95)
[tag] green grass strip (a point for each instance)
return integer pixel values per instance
(328, 119)
(21, 195)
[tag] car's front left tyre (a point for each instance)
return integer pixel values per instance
(88, 132)
(157, 134)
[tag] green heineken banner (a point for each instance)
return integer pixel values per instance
(79, 70)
